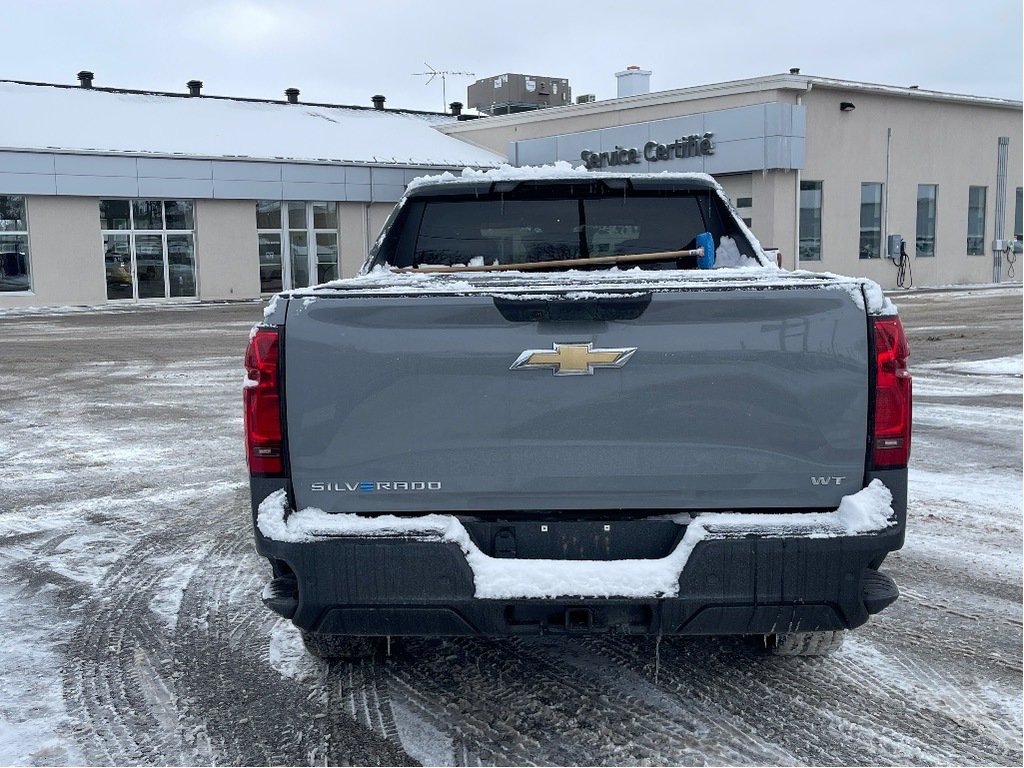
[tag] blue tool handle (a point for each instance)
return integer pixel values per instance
(706, 241)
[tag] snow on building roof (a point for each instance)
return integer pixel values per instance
(107, 121)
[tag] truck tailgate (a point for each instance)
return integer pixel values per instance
(733, 399)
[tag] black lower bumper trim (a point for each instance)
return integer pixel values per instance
(878, 591)
(755, 585)
(281, 595)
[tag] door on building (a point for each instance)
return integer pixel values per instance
(148, 249)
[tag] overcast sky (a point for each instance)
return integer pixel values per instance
(344, 52)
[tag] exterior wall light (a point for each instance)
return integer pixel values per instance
(846, 106)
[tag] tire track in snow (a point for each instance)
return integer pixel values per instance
(843, 709)
(360, 691)
(117, 673)
(512, 701)
(236, 708)
(444, 681)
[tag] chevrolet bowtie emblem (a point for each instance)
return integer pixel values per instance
(573, 359)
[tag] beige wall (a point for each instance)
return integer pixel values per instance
(360, 224)
(227, 258)
(737, 185)
(948, 144)
(377, 215)
(774, 221)
(352, 221)
(65, 254)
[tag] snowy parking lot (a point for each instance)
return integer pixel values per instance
(133, 631)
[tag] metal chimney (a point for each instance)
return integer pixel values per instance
(85, 78)
(195, 87)
(378, 101)
(633, 81)
(292, 94)
(456, 107)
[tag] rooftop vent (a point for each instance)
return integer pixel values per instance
(794, 70)
(85, 78)
(456, 107)
(914, 87)
(292, 94)
(195, 87)
(378, 101)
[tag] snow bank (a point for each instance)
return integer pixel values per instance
(866, 511)
(1013, 365)
(970, 378)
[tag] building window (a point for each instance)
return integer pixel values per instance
(149, 248)
(297, 241)
(976, 221)
(810, 220)
(744, 202)
(1018, 216)
(14, 263)
(927, 197)
(870, 220)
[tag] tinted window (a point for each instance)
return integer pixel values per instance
(499, 230)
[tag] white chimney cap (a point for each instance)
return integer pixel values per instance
(633, 81)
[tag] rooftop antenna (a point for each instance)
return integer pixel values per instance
(431, 73)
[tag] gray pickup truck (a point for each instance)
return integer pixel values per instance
(577, 402)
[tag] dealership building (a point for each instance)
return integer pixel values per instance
(109, 195)
(821, 169)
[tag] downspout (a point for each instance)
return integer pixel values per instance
(999, 244)
(883, 247)
(796, 206)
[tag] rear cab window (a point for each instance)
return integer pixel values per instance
(553, 222)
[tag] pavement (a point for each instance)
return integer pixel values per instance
(133, 632)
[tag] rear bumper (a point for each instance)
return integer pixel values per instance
(731, 586)
(742, 586)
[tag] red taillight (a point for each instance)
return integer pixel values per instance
(891, 433)
(263, 404)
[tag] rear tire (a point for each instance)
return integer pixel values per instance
(340, 647)
(807, 643)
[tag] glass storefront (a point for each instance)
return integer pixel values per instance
(149, 248)
(14, 260)
(298, 243)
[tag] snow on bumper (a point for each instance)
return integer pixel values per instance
(866, 512)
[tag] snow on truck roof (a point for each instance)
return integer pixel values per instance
(559, 171)
(111, 121)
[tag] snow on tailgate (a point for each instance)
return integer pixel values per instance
(866, 511)
(531, 285)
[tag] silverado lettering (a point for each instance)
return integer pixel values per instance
(399, 485)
